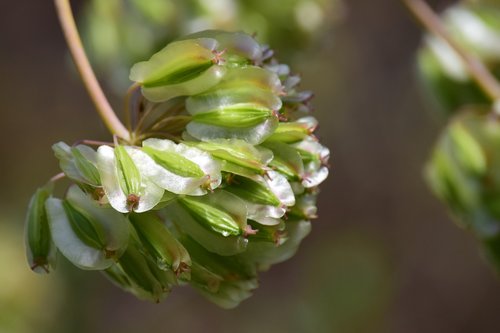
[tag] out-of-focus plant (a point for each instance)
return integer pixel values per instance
(119, 33)
(459, 60)
(475, 27)
(213, 179)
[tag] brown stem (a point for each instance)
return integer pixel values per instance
(89, 79)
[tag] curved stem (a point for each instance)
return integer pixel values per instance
(431, 21)
(84, 68)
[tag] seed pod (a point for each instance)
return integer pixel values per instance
(265, 254)
(40, 250)
(286, 160)
(294, 131)
(242, 106)
(178, 168)
(78, 163)
(266, 198)
(224, 280)
(88, 235)
(126, 188)
(315, 157)
(182, 68)
(161, 244)
(133, 272)
(237, 156)
(217, 221)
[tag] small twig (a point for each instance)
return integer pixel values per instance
(126, 107)
(431, 21)
(57, 177)
(89, 79)
(92, 143)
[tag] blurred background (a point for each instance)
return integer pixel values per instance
(383, 257)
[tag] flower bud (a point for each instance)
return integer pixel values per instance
(40, 249)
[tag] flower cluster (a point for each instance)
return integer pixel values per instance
(220, 179)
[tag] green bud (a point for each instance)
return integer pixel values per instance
(40, 250)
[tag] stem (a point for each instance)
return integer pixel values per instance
(57, 177)
(89, 79)
(128, 99)
(431, 21)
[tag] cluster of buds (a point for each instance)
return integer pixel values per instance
(218, 182)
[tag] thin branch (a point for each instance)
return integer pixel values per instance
(84, 68)
(127, 102)
(57, 177)
(431, 21)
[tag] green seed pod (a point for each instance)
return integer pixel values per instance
(266, 198)
(88, 235)
(224, 280)
(40, 250)
(237, 156)
(182, 68)
(162, 245)
(134, 273)
(242, 106)
(126, 188)
(178, 168)
(79, 164)
(265, 254)
(294, 131)
(286, 160)
(217, 221)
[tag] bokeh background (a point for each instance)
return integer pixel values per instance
(383, 257)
